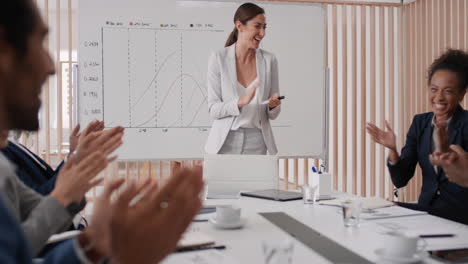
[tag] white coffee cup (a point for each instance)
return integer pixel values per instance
(227, 214)
(398, 244)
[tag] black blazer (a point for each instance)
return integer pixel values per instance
(438, 195)
(32, 174)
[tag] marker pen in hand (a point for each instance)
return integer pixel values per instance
(280, 98)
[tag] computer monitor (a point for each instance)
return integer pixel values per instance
(227, 175)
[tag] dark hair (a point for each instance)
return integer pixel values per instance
(455, 61)
(17, 19)
(244, 13)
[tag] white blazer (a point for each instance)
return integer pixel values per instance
(223, 95)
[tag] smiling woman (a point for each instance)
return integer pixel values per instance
(240, 77)
(448, 81)
(433, 132)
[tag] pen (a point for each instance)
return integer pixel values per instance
(200, 248)
(207, 210)
(279, 98)
(200, 220)
(436, 235)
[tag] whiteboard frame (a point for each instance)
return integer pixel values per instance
(325, 121)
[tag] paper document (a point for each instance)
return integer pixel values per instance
(367, 203)
(194, 238)
(389, 212)
(426, 225)
(210, 256)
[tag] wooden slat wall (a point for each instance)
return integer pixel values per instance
(431, 26)
(402, 124)
(367, 66)
(391, 84)
(377, 54)
(344, 99)
(354, 145)
(372, 88)
(363, 110)
(334, 95)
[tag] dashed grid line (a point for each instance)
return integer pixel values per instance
(155, 81)
(129, 82)
(181, 84)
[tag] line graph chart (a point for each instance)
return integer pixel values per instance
(157, 77)
(142, 64)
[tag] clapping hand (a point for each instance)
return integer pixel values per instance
(442, 134)
(145, 232)
(76, 136)
(454, 163)
(246, 99)
(76, 178)
(99, 228)
(78, 174)
(105, 141)
(385, 138)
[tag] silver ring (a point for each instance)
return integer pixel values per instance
(164, 204)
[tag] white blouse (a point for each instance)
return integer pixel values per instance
(249, 116)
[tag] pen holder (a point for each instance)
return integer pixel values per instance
(325, 184)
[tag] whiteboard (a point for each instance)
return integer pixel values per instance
(142, 65)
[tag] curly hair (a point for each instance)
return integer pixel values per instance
(17, 21)
(455, 61)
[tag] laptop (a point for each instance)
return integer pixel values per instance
(274, 194)
(227, 175)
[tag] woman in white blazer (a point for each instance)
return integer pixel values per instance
(243, 89)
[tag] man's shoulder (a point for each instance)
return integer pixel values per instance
(12, 238)
(6, 167)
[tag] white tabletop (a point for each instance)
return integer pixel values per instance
(244, 245)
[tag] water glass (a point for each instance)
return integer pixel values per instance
(309, 194)
(204, 192)
(275, 252)
(351, 212)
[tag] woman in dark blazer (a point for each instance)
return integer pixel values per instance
(433, 132)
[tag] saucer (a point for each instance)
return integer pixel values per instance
(234, 225)
(417, 256)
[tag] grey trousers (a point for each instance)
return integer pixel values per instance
(244, 141)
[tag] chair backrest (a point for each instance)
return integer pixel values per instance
(227, 175)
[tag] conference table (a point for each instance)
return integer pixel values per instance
(245, 245)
